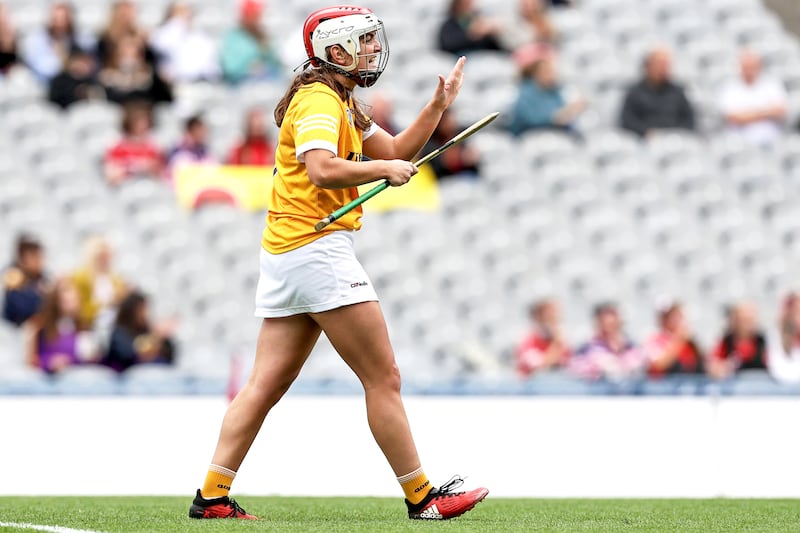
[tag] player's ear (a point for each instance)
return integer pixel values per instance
(338, 55)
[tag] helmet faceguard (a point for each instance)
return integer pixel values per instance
(358, 32)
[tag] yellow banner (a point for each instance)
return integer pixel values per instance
(249, 188)
(421, 193)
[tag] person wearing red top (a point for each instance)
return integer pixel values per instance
(673, 350)
(135, 154)
(742, 347)
(256, 148)
(545, 348)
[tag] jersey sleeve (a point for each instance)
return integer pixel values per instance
(317, 124)
(373, 128)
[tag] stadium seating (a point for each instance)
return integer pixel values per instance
(699, 217)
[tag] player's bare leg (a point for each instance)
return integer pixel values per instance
(359, 334)
(283, 346)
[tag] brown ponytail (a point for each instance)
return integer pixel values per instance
(328, 77)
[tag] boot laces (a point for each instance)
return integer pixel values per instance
(448, 489)
(236, 509)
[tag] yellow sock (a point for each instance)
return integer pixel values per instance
(218, 482)
(415, 485)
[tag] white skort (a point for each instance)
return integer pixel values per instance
(317, 277)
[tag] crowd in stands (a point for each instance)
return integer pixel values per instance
(754, 105)
(671, 350)
(90, 316)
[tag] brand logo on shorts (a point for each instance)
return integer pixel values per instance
(359, 284)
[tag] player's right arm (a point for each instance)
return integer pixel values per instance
(328, 171)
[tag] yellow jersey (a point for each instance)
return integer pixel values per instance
(316, 119)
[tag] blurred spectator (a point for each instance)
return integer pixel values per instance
(656, 102)
(672, 350)
(100, 289)
(783, 361)
(185, 53)
(530, 25)
(121, 25)
(134, 340)
(256, 147)
(755, 105)
(545, 347)
(24, 282)
(465, 29)
(45, 50)
(247, 53)
(743, 347)
(127, 76)
(54, 338)
(610, 355)
(77, 81)
(135, 154)
(540, 102)
(383, 113)
(193, 148)
(8, 42)
(460, 160)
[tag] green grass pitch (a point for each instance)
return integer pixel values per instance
(157, 514)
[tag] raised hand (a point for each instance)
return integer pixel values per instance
(448, 87)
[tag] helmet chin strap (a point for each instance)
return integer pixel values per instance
(335, 68)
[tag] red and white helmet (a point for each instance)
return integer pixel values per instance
(349, 27)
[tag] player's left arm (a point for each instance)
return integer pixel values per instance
(406, 144)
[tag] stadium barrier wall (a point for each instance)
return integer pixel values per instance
(517, 446)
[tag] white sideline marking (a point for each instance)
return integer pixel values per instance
(50, 529)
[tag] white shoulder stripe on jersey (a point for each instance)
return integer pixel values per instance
(315, 117)
(312, 127)
(328, 123)
(315, 144)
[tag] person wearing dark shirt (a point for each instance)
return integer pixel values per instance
(8, 42)
(460, 160)
(466, 30)
(127, 77)
(673, 350)
(24, 282)
(122, 23)
(656, 102)
(192, 149)
(742, 347)
(76, 82)
(134, 340)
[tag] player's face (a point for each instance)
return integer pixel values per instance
(370, 47)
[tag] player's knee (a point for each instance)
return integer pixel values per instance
(270, 387)
(391, 381)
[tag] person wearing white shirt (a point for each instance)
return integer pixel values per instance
(783, 361)
(187, 54)
(754, 105)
